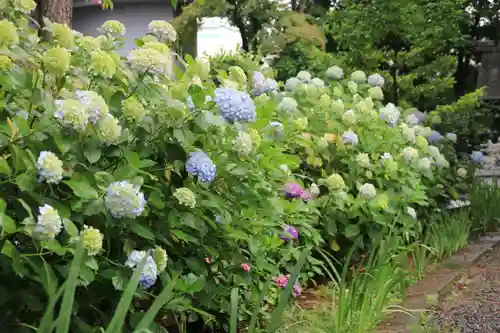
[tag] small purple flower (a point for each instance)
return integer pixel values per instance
(434, 137)
(293, 190)
(306, 196)
(477, 157)
(350, 137)
(296, 290)
(291, 233)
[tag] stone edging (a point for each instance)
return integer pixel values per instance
(435, 283)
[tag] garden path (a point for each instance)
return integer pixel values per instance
(473, 306)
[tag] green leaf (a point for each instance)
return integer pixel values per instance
(8, 225)
(70, 228)
(133, 158)
(92, 154)
(155, 199)
(4, 167)
(82, 189)
(351, 231)
(142, 230)
(103, 179)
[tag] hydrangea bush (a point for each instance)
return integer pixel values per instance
(223, 180)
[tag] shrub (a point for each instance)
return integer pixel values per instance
(205, 182)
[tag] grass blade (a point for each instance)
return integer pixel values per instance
(285, 294)
(47, 322)
(116, 323)
(160, 300)
(256, 311)
(233, 323)
(64, 319)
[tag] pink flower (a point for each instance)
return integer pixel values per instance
(291, 233)
(282, 281)
(208, 260)
(246, 267)
(293, 190)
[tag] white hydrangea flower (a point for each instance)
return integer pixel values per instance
(124, 200)
(411, 211)
(385, 156)
(113, 28)
(367, 191)
(335, 73)
(135, 258)
(314, 190)
(412, 120)
(108, 130)
(95, 105)
(442, 162)
(452, 137)
(49, 223)
(304, 76)
(242, 144)
(376, 80)
(409, 134)
(424, 164)
(433, 151)
(317, 82)
(410, 153)
(72, 113)
(49, 167)
(390, 113)
(349, 117)
(163, 30)
(185, 197)
(358, 76)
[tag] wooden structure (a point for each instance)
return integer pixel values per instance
(489, 71)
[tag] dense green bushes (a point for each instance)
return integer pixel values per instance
(204, 182)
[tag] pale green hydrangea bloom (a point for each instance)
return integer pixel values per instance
(287, 104)
(92, 240)
(57, 60)
(462, 173)
(433, 151)
(72, 113)
(49, 223)
(424, 164)
(49, 167)
(442, 162)
(358, 76)
(94, 104)
(256, 138)
(335, 73)
(409, 134)
(411, 211)
(238, 75)
(367, 191)
(108, 130)
(89, 43)
(185, 197)
(363, 160)
(160, 47)
(421, 142)
(62, 35)
(338, 106)
(8, 34)
(335, 182)
(5, 63)
(242, 144)
(133, 110)
(301, 123)
(113, 28)
(352, 86)
(318, 83)
(160, 257)
(376, 93)
(304, 76)
(349, 117)
(102, 63)
(24, 6)
(410, 153)
(149, 59)
(163, 30)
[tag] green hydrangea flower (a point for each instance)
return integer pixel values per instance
(133, 110)
(72, 113)
(238, 75)
(335, 182)
(421, 142)
(338, 106)
(149, 59)
(358, 76)
(349, 118)
(363, 160)
(367, 191)
(113, 28)
(108, 130)
(92, 240)
(462, 173)
(382, 201)
(88, 43)
(103, 64)
(301, 123)
(5, 63)
(160, 47)
(242, 144)
(352, 86)
(24, 6)
(57, 60)
(62, 35)
(185, 197)
(376, 93)
(160, 257)
(8, 34)
(256, 138)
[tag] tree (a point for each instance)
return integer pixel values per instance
(60, 11)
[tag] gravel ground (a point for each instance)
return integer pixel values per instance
(474, 303)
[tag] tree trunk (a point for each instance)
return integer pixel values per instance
(60, 11)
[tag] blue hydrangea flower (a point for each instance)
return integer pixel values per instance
(149, 273)
(420, 116)
(261, 85)
(235, 105)
(124, 200)
(477, 157)
(350, 137)
(376, 80)
(434, 137)
(201, 166)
